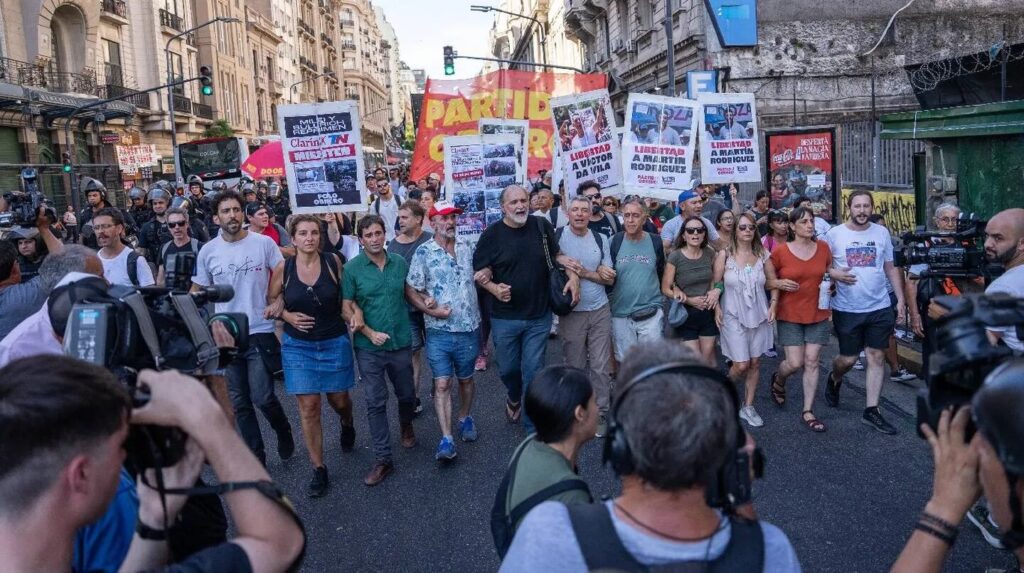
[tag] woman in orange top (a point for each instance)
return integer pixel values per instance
(799, 266)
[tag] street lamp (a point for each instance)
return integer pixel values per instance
(540, 25)
(309, 79)
(170, 79)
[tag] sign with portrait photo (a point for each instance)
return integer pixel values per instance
(323, 156)
(657, 149)
(585, 129)
(729, 150)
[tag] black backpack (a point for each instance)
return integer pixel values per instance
(133, 267)
(602, 548)
(502, 523)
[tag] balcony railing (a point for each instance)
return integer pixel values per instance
(347, 45)
(326, 39)
(352, 95)
(116, 7)
(172, 21)
(347, 22)
(307, 29)
(47, 77)
(307, 63)
(202, 110)
(139, 100)
(182, 104)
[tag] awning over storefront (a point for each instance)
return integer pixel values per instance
(51, 105)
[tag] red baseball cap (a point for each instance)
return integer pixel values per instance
(443, 208)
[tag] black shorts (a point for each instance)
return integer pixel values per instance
(855, 330)
(698, 323)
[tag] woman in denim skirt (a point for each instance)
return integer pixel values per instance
(316, 352)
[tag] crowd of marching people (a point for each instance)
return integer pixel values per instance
(395, 300)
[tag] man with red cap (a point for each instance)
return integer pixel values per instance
(441, 273)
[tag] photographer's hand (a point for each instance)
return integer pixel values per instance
(956, 485)
(175, 400)
(181, 475)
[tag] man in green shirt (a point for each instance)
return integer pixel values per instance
(373, 303)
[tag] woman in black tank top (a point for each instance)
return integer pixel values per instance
(316, 352)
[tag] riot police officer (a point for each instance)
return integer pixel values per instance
(96, 199)
(277, 201)
(139, 208)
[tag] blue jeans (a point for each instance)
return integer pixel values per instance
(519, 347)
(250, 386)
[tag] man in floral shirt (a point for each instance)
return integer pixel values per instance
(442, 275)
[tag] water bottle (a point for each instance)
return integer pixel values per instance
(824, 293)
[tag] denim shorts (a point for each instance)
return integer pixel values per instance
(452, 353)
(317, 366)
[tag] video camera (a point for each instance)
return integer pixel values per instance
(954, 254)
(128, 329)
(24, 205)
(967, 356)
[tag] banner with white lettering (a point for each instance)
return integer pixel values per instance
(585, 125)
(657, 150)
(476, 169)
(729, 150)
(323, 156)
(517, 127)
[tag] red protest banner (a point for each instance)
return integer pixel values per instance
(454, 107)
(802, 162)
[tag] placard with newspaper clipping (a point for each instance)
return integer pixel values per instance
(476, 169)
(323, 156)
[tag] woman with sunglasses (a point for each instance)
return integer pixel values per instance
(779, 232)
(725, 222)
(316, 352)
(689, 279)
(804, 329)
(745, 315)
(611, 206)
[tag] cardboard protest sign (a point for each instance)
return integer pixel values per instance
(729, 150)
(657, 149)
(323, 156)
(585, 127)
(476, 169)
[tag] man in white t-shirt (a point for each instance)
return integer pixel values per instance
(1004, 244)
(689, 204)
(862, 312)
(244, 261)
(386, 205)
(121, 265)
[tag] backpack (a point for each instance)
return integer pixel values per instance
(327, 262)
(659, 250)
(193, 244)
(376, 207)
(133, 267)
(553, 216)
(602, 548)
(502, 523)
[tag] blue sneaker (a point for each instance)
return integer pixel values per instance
(445, 450)
(467, 429)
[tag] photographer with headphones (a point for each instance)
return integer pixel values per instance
(63, 430)
(675, 439)
(990, 462)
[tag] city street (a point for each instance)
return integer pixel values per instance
(847, 498)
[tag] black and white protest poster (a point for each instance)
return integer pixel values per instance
(657, 148)
(729, 150)
(518, 127)
(585, 125)
(476, 169)
(323, 156)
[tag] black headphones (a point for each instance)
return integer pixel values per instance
(732, 484)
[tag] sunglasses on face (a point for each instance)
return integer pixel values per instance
(746, 227)
(610, 204)
(593, 196)
(175, 224)
(694, 230)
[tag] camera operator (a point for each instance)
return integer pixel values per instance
(1004, 244)
(990, 463)
(64, 422)
(672, 430)
(19, 299)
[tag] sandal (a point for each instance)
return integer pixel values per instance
(778, 389)
(814, 423)
(512, 411)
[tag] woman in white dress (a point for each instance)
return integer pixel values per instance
(744, 314)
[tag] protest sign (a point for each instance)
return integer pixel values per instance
(323, 156)
(585, 127)
(729, 150)
(455, 107)
(519, 127)
(802, 162)
(476, 169)
(657, 149)
(132, 157)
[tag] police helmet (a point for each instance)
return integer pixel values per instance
(181, 203)
(90, 185)
(195, 180)
(137, 193)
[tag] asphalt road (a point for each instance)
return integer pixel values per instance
(847, 498)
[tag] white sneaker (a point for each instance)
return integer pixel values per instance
(901, 375)
(749, 415)
(858, 365)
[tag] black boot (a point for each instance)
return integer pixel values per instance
(318, 485)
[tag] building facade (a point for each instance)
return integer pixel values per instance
(533, 37)
(362, 51)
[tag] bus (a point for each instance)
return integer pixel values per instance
(214, 159)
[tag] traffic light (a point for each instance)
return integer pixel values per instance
(449, 61)
(67, 162)
(206, 80)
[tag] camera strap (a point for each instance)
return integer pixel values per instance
(146, 328)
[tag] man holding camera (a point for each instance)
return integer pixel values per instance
(63, 424)
(244, 260)
(681, 428)
(20, 299)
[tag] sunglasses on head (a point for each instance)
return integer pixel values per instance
(694, 230)
(175, 224)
